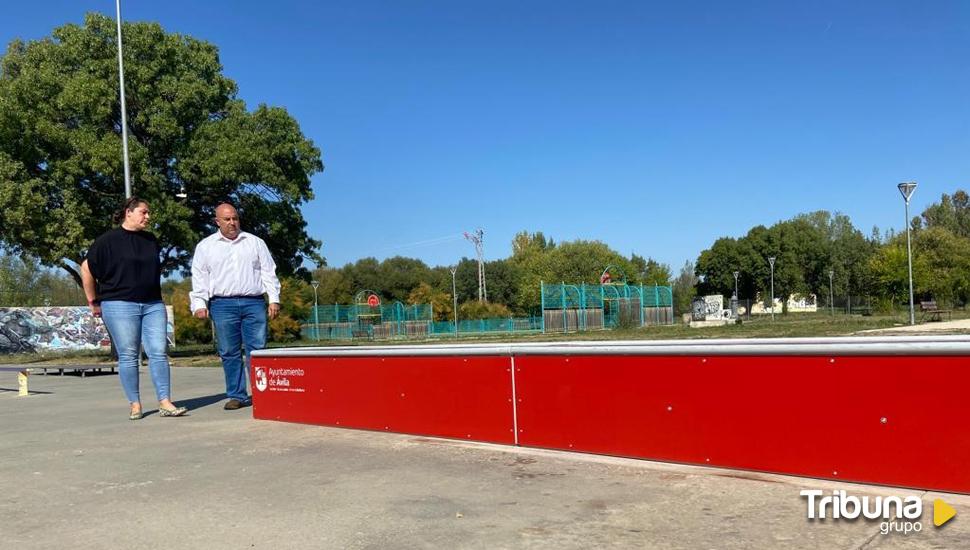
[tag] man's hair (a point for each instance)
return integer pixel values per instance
(130, 204)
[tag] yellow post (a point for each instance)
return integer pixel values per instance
(22, 390)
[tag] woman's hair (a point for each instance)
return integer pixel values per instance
(130, 204)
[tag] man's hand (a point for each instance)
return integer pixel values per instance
(201, 313)
(95, 308)
(273, 311)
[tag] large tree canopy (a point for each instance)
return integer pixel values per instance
(61, 168)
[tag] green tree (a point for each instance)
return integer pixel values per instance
(650, 272)
(805, 248)
(296, 302)
(482, 310)
(441, 302)
(947, 260)
(500, 280)
(188, 328)
(364, 274)
(400, 275)
(25, 283)
(60, 146)
(684, 288)
(336, 286)
(952, 213)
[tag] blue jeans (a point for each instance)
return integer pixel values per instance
(130, 326)
(240, 322)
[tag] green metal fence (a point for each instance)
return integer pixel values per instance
(420, 329)
(571, 308)
(565, 308)
(393, 320)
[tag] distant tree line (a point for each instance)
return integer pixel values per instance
(808, 246)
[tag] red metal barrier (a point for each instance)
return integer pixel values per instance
(889, 411)
(888, 420)
(457, 397)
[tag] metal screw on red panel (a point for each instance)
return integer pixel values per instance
(707, 460)
(835, 473)
(703, 360)
(884, 420)
(567, 359)
(669, 408)
(831, 360)
(402, 395)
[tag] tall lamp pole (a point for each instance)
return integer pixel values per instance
(771, 262)
(906, 189)
(831, 294)
(124, 116)
(736, 275)
(316, 315)
(454, 297)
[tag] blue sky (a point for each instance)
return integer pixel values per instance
(654, 127)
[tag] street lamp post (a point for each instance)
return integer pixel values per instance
(316, 315)
(736, 275)
(906, 189)
(831, 294)
(454, 297)
(771, 262)
(124, 116)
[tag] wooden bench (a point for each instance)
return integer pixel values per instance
(931, 312)
(76, 368)
(865, 311)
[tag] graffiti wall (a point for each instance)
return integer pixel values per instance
(797, 303)
(52, 329)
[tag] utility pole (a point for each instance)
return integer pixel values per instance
(771, 262)
(906, 189)
(124, 116)
(477, 238)
(454, 297)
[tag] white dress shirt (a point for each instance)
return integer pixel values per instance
(239, 267)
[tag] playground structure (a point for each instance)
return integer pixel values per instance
(565, 308)
(399, 321)
(573, 308)
(369, 318)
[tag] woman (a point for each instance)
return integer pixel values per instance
(122, 281)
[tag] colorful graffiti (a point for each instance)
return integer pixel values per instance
(52, 329)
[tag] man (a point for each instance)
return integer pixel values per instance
(231, 270)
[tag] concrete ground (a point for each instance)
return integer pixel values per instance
(76, 473)
(958, 326)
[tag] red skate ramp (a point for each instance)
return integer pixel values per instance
(890, 411)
